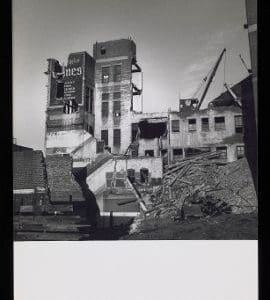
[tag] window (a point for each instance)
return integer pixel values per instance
(131, 175)
(116, 137)
(91, 106)
(105, 96)
(70, 107)
(223, 150)
(100, 146)
(105, 109)
(240, 151)
(87, 99)
(102, 50)
(117, 73)
(192, 125)
(164, 152)
(175, 125)
(149, 153)
(178, 152)
(116, 108)
(116, 95)
(144, 174)
(238, 124)
(134, 131)
(104, 137)
(205, 124)
(59, 89)
(105, 74)
(219, 123)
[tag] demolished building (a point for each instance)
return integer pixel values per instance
(97, 136)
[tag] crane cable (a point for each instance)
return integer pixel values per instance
(224, 72)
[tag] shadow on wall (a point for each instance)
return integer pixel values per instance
(90, 209)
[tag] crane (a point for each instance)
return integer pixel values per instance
(245, 65)
(236, 99)
(210, 79)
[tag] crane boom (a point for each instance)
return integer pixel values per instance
(236, 99)
(211, 78)
(245, 65)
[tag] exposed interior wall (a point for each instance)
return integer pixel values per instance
(65, 141)
(97, 179)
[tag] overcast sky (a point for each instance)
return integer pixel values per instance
(178, 41)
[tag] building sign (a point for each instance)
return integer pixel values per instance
(73, 78)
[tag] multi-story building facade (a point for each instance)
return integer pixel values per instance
(91, 115)
(115, 92)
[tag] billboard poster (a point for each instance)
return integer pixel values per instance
(73, 78)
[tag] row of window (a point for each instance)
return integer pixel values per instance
(219, 124)
(178, 152)
(116, 109)
(106, 96)
(111, 74)
(116, 137)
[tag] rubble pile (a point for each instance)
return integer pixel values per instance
(204, 186)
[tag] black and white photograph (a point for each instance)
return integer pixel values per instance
(134, 150)
(134, 120)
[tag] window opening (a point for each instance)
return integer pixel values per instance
(149, 153)
(117, 73)
(104, 137)
(105, 109)
(116, 137)
(219, 123)
(238, 124)
(205, 124)
(192, 125)
(116, 108)
(240, 151)
(175, 125)
(105, 74)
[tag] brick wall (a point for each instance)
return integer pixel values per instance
(61, 182)
(121, 53)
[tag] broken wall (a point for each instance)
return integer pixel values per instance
(97, 180)
(227, 136)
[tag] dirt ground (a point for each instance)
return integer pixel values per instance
(224, 227)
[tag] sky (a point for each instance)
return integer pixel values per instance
(178, 41)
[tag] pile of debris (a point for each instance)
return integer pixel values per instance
(203, 186)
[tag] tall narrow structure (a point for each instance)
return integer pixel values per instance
(70, 107)
(115, 92)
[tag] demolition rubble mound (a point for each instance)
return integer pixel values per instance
(196, 190)
(205, 186)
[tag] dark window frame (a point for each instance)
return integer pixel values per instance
(150, 152)
(192, 126)
(220, 125)
(105, 96)
(117, 73)
(106, 137)
(175, 125)
(117, 109)
(105, 74)
(117, 137)
(175, 150)
(104, 109)
(241, 153)
(117, 95)
(238, 125)
(205, 125)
